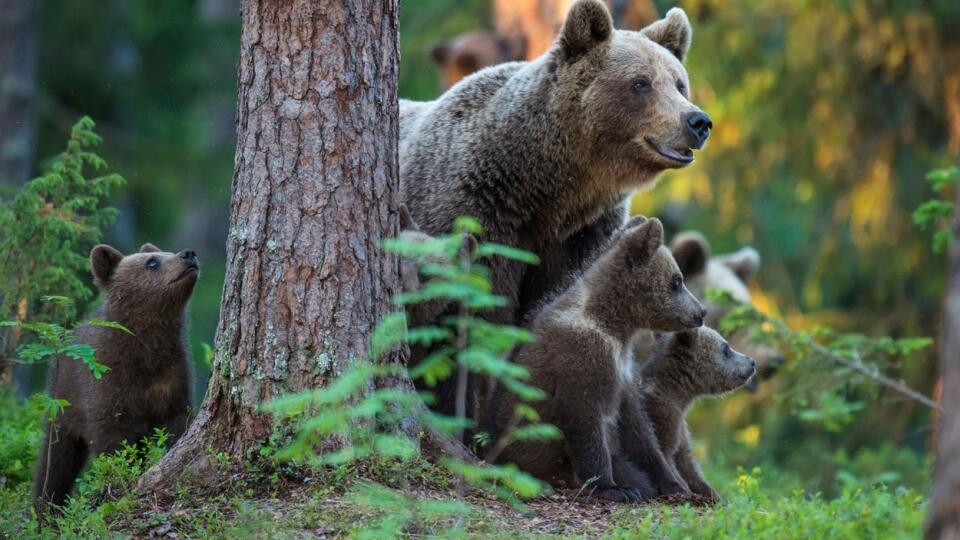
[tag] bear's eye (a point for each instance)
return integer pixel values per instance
(641, 85)
(682, 88)
(153, 264)
(676, 283)
(727, 351)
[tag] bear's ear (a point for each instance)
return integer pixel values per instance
(103, 261)
(745, 263)
(149, 248)
(673, 32)
(642, 241)
(588, 24)
(634, 221)
(691, 251)
(512, 47)
(440, 53)
(686, 340)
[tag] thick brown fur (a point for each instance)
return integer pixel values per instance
(473, 51)
(148, 384)
(545, 152)
(729, 273)
(582, 358)
(685, 366)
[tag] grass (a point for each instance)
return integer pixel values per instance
(384, 498)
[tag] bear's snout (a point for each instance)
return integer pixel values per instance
(698, 128)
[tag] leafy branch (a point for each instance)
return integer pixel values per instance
(850, 354)
(937, 212)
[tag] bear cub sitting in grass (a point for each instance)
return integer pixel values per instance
(582, 358)
(148, 382)
(685, 366)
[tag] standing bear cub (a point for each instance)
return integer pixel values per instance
(582, 357)
(685, 366)
(545, 152)
(148, 383)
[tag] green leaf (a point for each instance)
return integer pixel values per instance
(488, 249)
(467, 225)
(941, 178)
(108, 324)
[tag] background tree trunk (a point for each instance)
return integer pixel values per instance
(943, 521)
(315, 191)
(539, 21)
(18, 73)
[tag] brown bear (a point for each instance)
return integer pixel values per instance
(685, 366)
(729, 273)
(148, 384)
(470, 52)
(582, 357)
(545, 152)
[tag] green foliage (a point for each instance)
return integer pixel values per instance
(753, 512)
(103, 491)
(842, 362)
(396, 512)
(359, 418)
(938, 213)
(48, 228)
(20, 434)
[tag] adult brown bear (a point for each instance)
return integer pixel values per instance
(545, 152)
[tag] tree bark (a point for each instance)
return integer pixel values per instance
(943, 521)
(18, 72)
(539, 21)
(315, 191)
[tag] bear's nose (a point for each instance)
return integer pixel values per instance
(188, 254)
(699, 125)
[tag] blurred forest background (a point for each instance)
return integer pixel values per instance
(827, 117)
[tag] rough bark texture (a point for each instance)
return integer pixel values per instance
(538, 21)
(943, 521)
(315, 191)
(18, 69)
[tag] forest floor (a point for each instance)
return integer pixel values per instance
(334, 507)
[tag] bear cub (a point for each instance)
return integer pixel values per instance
(685, 366)
(582, 357)
(148, 384)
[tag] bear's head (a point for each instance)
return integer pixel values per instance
(628, 92)
(703, 363)
(150, 281)
(729, 273)
(641, 281)
(473, 51)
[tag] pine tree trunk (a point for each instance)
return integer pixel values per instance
(18, 69)
(315, 191)
(943, 521)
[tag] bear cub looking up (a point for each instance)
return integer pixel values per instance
(148, 384)
(685, 366)
(582, 358)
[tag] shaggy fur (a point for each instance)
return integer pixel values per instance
(148, 384)
(582, 358)
(688, 365)
(545, 152)
(473, 51)
(729, 273)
